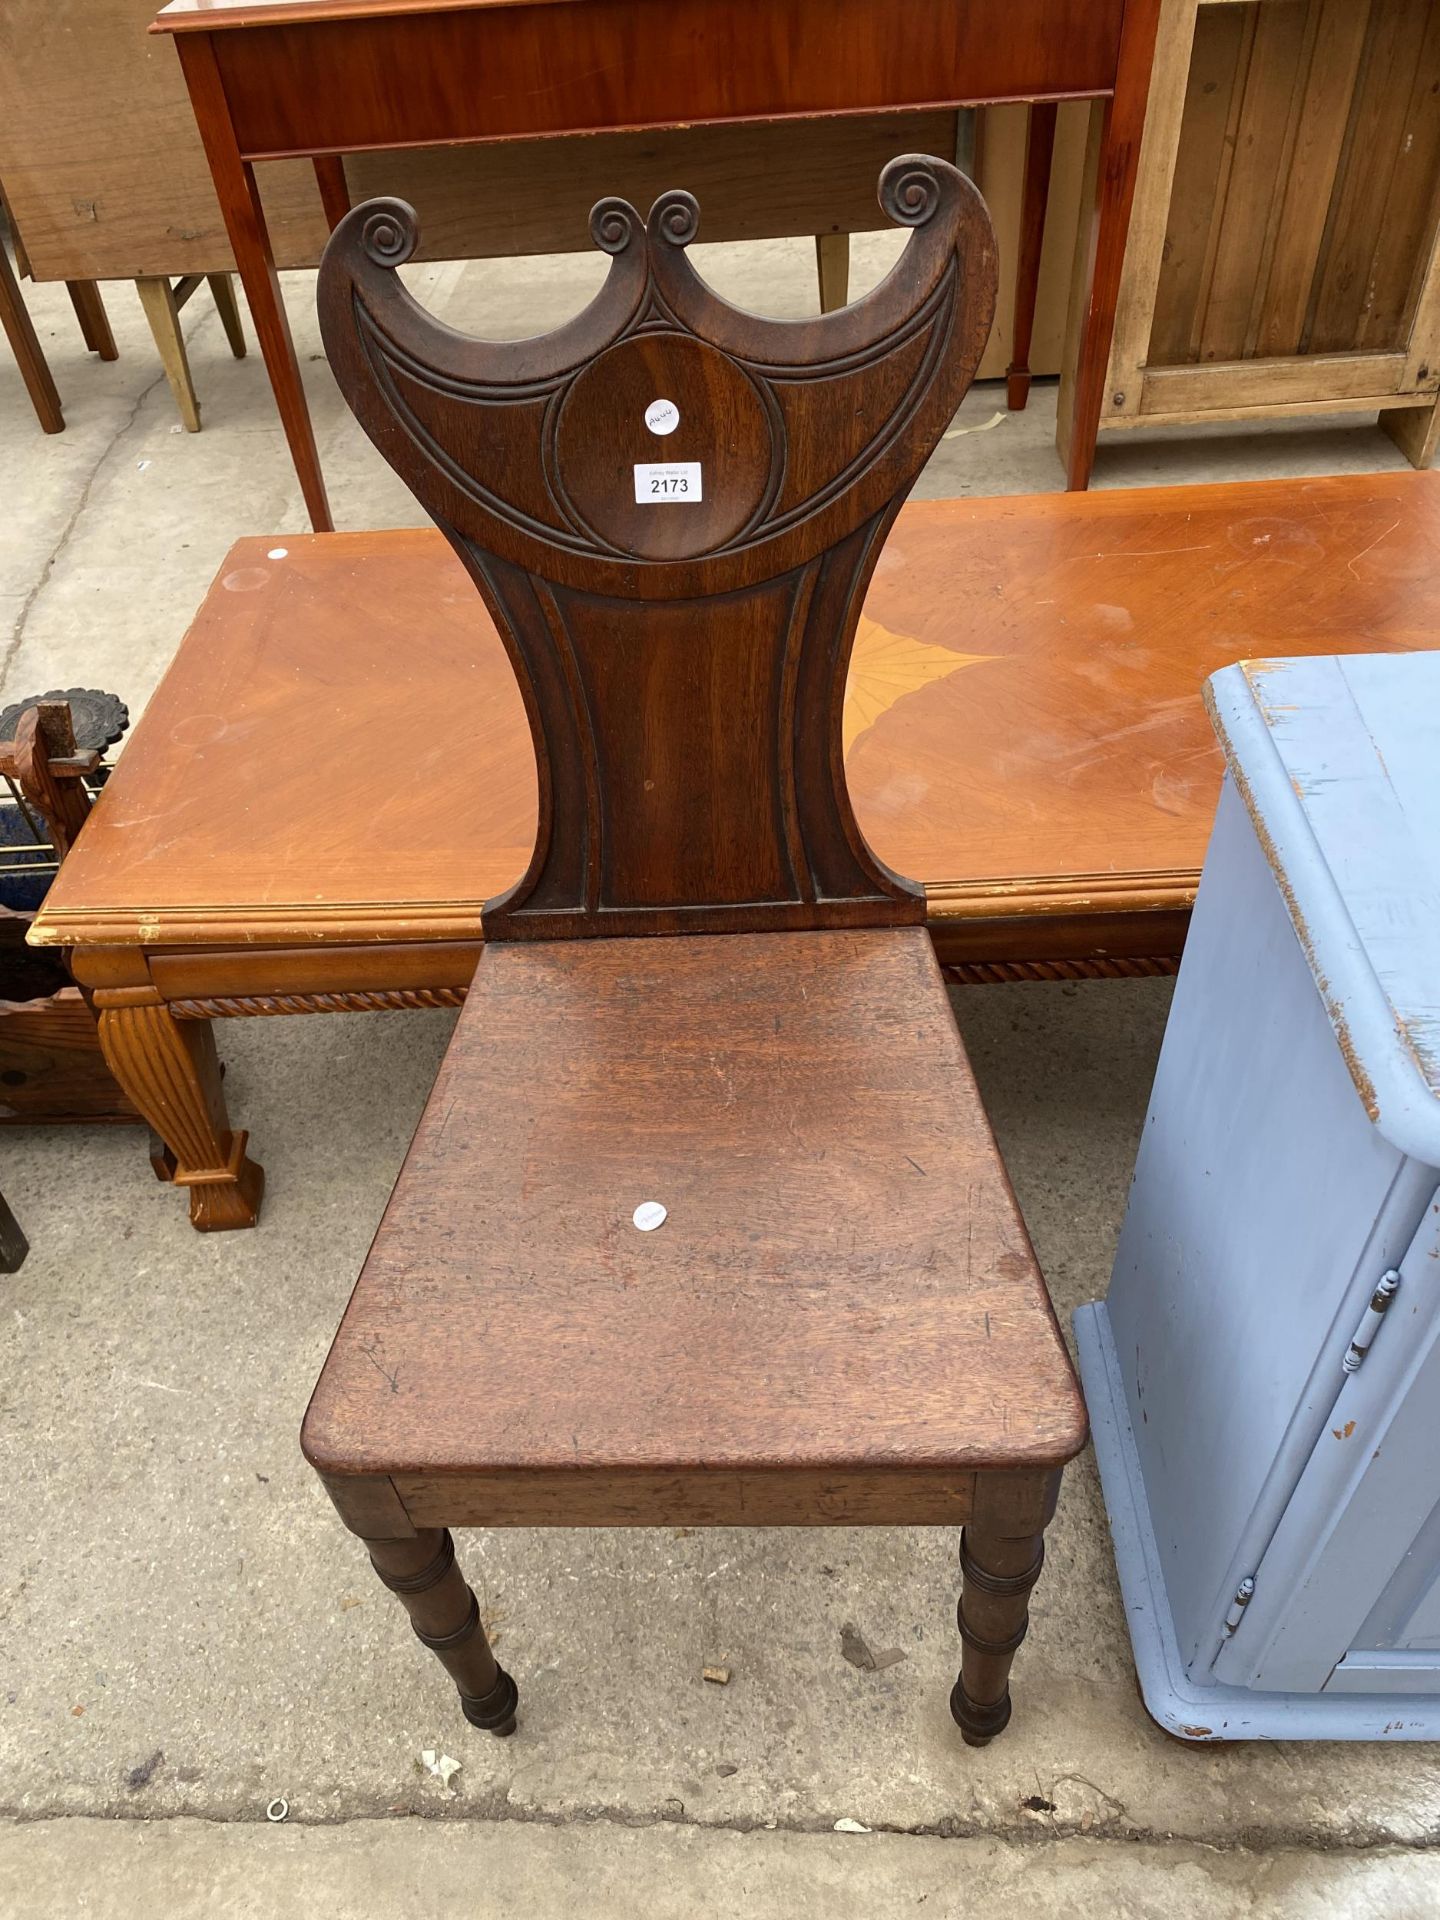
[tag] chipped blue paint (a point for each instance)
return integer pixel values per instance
(1341, 775)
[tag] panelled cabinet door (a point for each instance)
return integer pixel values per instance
(1398, 1648)
(1347, 1595)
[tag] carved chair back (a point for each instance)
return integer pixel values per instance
(672, 510)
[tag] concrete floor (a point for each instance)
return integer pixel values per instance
(187, 1633)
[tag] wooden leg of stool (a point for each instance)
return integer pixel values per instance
(169, 1069)
(993, 1615)
(162, 310)
(832, 269)
(446, 1617)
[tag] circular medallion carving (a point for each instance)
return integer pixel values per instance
(698, 489)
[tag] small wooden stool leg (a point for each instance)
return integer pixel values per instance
(832, 269)
(446, 1617)
(162, 310)
(169, 1069)
(993, 1616)
(222, 291)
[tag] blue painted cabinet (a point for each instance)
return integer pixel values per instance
(1264, 1373)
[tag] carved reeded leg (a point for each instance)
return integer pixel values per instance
(446, 1617)
(993, 1616)
(170, 1070)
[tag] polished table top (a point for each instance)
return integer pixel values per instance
(339, 751)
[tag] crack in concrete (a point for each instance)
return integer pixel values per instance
(12, 646)
(495, 1808)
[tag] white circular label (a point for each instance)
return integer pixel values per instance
(649, 1215)
(662, 416)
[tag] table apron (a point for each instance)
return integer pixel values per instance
(578, 66)
(808, 1497)
(246, 980)
(260, 973)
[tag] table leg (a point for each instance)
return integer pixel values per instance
(169, 1069)
(1039, 157)
(245, 223)
(334, 188)
(1122, 126)
(25, 344)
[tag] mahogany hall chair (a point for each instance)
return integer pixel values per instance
(706, 1004)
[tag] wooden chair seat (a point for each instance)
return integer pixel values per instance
(842, 1287)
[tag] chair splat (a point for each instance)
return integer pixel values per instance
(672, 509)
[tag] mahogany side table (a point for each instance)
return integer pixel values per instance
(317, 79)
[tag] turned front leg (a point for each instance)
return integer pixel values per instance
(169, 1069)
(1001, 1553)
(994, 1617)
(446, 1617)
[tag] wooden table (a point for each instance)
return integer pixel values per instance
(104, 175)
(271, 79)
(324, 788)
